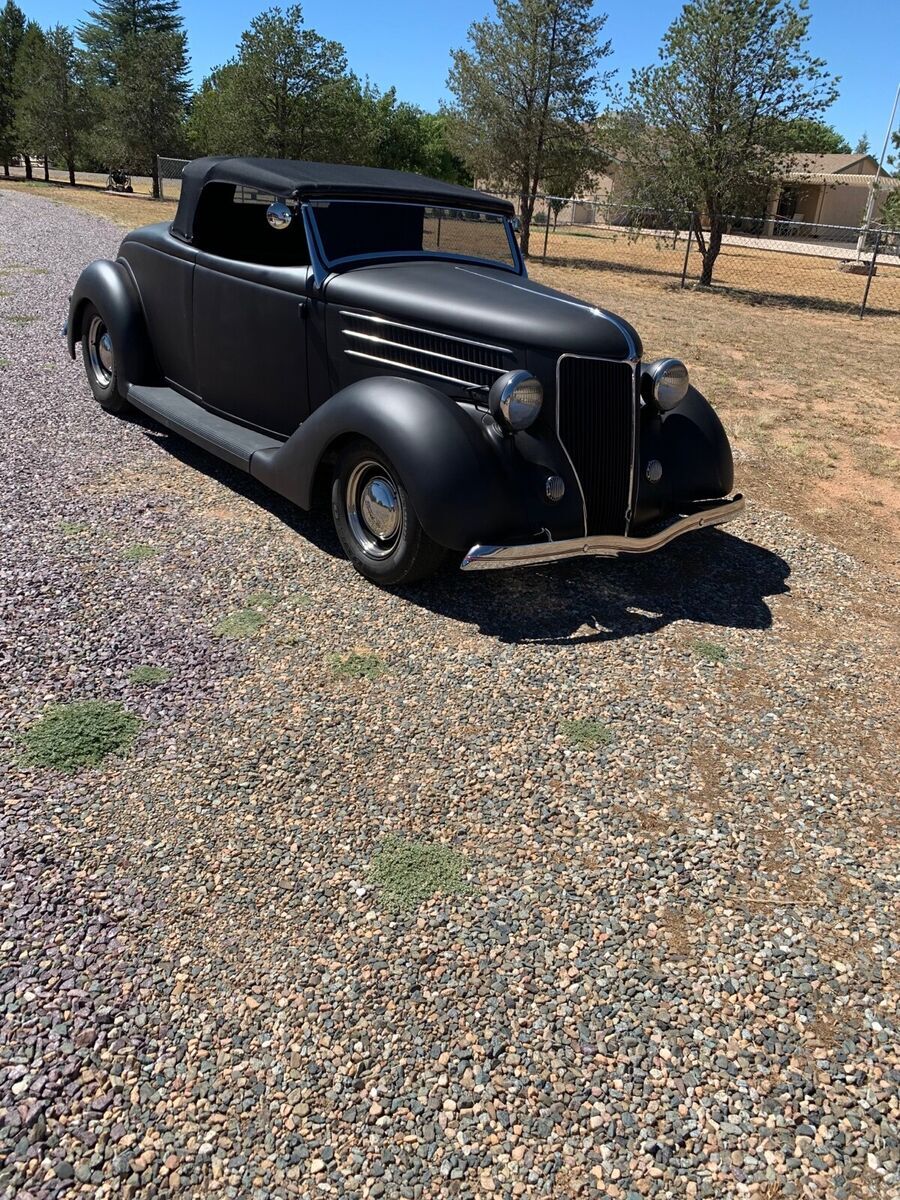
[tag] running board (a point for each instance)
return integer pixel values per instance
(227, 440)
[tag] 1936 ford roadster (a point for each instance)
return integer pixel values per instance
(309, 322)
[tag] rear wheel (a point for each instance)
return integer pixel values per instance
(375, 520)
(98, 355)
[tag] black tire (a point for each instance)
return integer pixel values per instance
(98, 356)
(375, 520)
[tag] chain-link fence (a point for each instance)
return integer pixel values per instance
(835, 268)
(169, 171)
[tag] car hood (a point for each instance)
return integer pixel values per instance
(486, 304)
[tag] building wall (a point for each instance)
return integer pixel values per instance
(844, 205)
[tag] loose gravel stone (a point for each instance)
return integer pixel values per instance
(673, 968)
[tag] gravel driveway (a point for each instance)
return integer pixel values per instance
(672, 970)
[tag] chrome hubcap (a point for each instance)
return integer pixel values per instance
(374, 513)
(100, 352)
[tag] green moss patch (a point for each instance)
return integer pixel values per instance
(147, 675)
(710, 651)
(139, 551)
(73, 528)
(240, 624)
(357, 666)
(410, 872)
(80, 734)
(586, 733)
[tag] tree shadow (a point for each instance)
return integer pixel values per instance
(710, 577)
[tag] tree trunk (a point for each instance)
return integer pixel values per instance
(70, 163)
(46, 170)
(6, 167)
(155, 177)
(27, 160)
(526, 207)
(711, 251)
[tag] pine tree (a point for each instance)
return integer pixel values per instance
(115, 24)
(53, 109)
(30, 135)
(525, 94)
(12, 31)
(137, 53)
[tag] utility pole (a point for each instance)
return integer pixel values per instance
(876, 180)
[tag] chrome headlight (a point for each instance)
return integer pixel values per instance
(516, 398)
(665, 382)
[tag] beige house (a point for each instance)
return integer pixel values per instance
(828, 189)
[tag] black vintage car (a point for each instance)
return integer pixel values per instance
(376, 332)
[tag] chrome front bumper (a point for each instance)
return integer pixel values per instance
(489, 558)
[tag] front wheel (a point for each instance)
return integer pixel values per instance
(98, 355)
(375, 520)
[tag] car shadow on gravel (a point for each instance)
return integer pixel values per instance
(710, 577)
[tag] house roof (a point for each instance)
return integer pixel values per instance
(832, 164)
(310, 180)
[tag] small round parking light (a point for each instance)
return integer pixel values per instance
(665, 383)
(554, 488)
(516, 399)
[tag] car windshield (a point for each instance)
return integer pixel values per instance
(353, 229)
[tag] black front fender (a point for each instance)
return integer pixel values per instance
(109, 286)
(691, 448)
(465, 483)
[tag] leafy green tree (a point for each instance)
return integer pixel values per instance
(53, 109)
(524, 94)
(862, 146)
(705, 124)
(812, 137)
(281, 94)
(12, 31)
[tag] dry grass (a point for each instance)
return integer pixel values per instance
(759, 276)
(127, 211)
(809, 398)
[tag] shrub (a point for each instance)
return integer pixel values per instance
(410, 872)
(358, 666)
(710, 651)
(138, 551)
(586, 733)
(149, 675)
(80, 734)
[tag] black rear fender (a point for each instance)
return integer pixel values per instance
(465, 484)
(110, 288)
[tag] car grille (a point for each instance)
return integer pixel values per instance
(596, 411)
(423, 351)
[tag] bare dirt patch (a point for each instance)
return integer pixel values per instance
(810, 399)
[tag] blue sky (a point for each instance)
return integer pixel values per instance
(406, 43)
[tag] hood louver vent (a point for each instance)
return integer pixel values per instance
(423, 351)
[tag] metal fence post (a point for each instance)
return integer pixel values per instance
(546, 233)
(687, 250)
(159, 179)
(865, 299)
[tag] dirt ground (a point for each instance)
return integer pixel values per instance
(810, 398)
(787, 279)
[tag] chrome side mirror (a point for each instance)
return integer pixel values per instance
(279, 215)
(516, 225)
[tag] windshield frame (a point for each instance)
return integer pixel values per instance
(516, 267)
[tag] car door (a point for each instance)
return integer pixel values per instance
(250, 342)
(251, 284)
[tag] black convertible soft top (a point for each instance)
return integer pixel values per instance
(288, 177)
